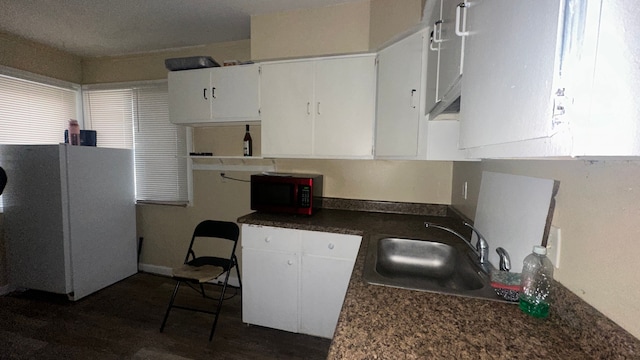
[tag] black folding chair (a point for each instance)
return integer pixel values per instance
(200, 270)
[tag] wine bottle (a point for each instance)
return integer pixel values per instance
(248, 143)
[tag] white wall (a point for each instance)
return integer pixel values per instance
(328, 30)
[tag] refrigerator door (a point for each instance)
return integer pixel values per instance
(101, 207)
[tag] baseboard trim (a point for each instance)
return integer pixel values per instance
(167, 271)
(155, 269)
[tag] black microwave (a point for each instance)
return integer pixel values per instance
(286, 193)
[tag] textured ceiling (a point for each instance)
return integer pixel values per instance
(119, 27)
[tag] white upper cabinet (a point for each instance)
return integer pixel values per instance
(398, 109)
(446, 55)
(320, 108)
(287, 95)
(551, 78)
(402, 129)
(451, 44)
(433, 54)
(510, 68)
(214, 95)
(189, 95)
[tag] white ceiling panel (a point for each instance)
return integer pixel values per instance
(118, 27)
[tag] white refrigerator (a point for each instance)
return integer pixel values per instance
(70, 222)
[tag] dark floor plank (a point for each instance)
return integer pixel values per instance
(123, 321)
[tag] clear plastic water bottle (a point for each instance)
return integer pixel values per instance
(536, 283)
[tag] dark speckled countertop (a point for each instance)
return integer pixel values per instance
(378, 322)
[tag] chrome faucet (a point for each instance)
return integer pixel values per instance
(505, 260)
(482, 247)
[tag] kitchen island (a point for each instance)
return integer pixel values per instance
(378, 322)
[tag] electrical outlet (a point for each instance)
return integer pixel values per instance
(553, 246)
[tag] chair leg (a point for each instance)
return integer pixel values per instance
(173, 297)
(238, 272)
(219, 307)
(239, 280)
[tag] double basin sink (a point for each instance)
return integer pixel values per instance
(446, 266)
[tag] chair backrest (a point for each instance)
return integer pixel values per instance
(215, 229)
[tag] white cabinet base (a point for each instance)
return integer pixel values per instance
(270, 295)
(322, 288)
(295, 280)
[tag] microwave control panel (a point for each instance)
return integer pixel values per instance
(304, 196)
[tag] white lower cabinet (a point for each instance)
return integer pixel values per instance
(295, 280)
(323, 285)
(270, 291)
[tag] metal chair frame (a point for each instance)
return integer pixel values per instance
(211, 229)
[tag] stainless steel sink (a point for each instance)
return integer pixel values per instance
(435, 266)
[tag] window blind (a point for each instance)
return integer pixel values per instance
(35, 109)
(33, 112)
(110, 113)
(160, 149)
(137, 116)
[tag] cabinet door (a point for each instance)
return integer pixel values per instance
(270, 266)
(327, 263)
(189, 96)
(451, 49)
(433, 58)
(510, 67)
(286, 91)
(344, 107)
(234, 94)
(398, 100)
(324, 283)
(270, 289)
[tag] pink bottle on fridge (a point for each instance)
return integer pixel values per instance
(74, 132)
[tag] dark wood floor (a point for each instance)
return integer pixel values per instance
(123, 320)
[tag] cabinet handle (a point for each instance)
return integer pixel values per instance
(289, 262)
(308, 108)
(431, 42)
(318, 108)
(267, 239)
(213, 93)
(204, 93)
(458, 10)
(412, 103)
(437, 28)
(331, 246)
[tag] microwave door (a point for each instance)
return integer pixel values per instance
(275, 194)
